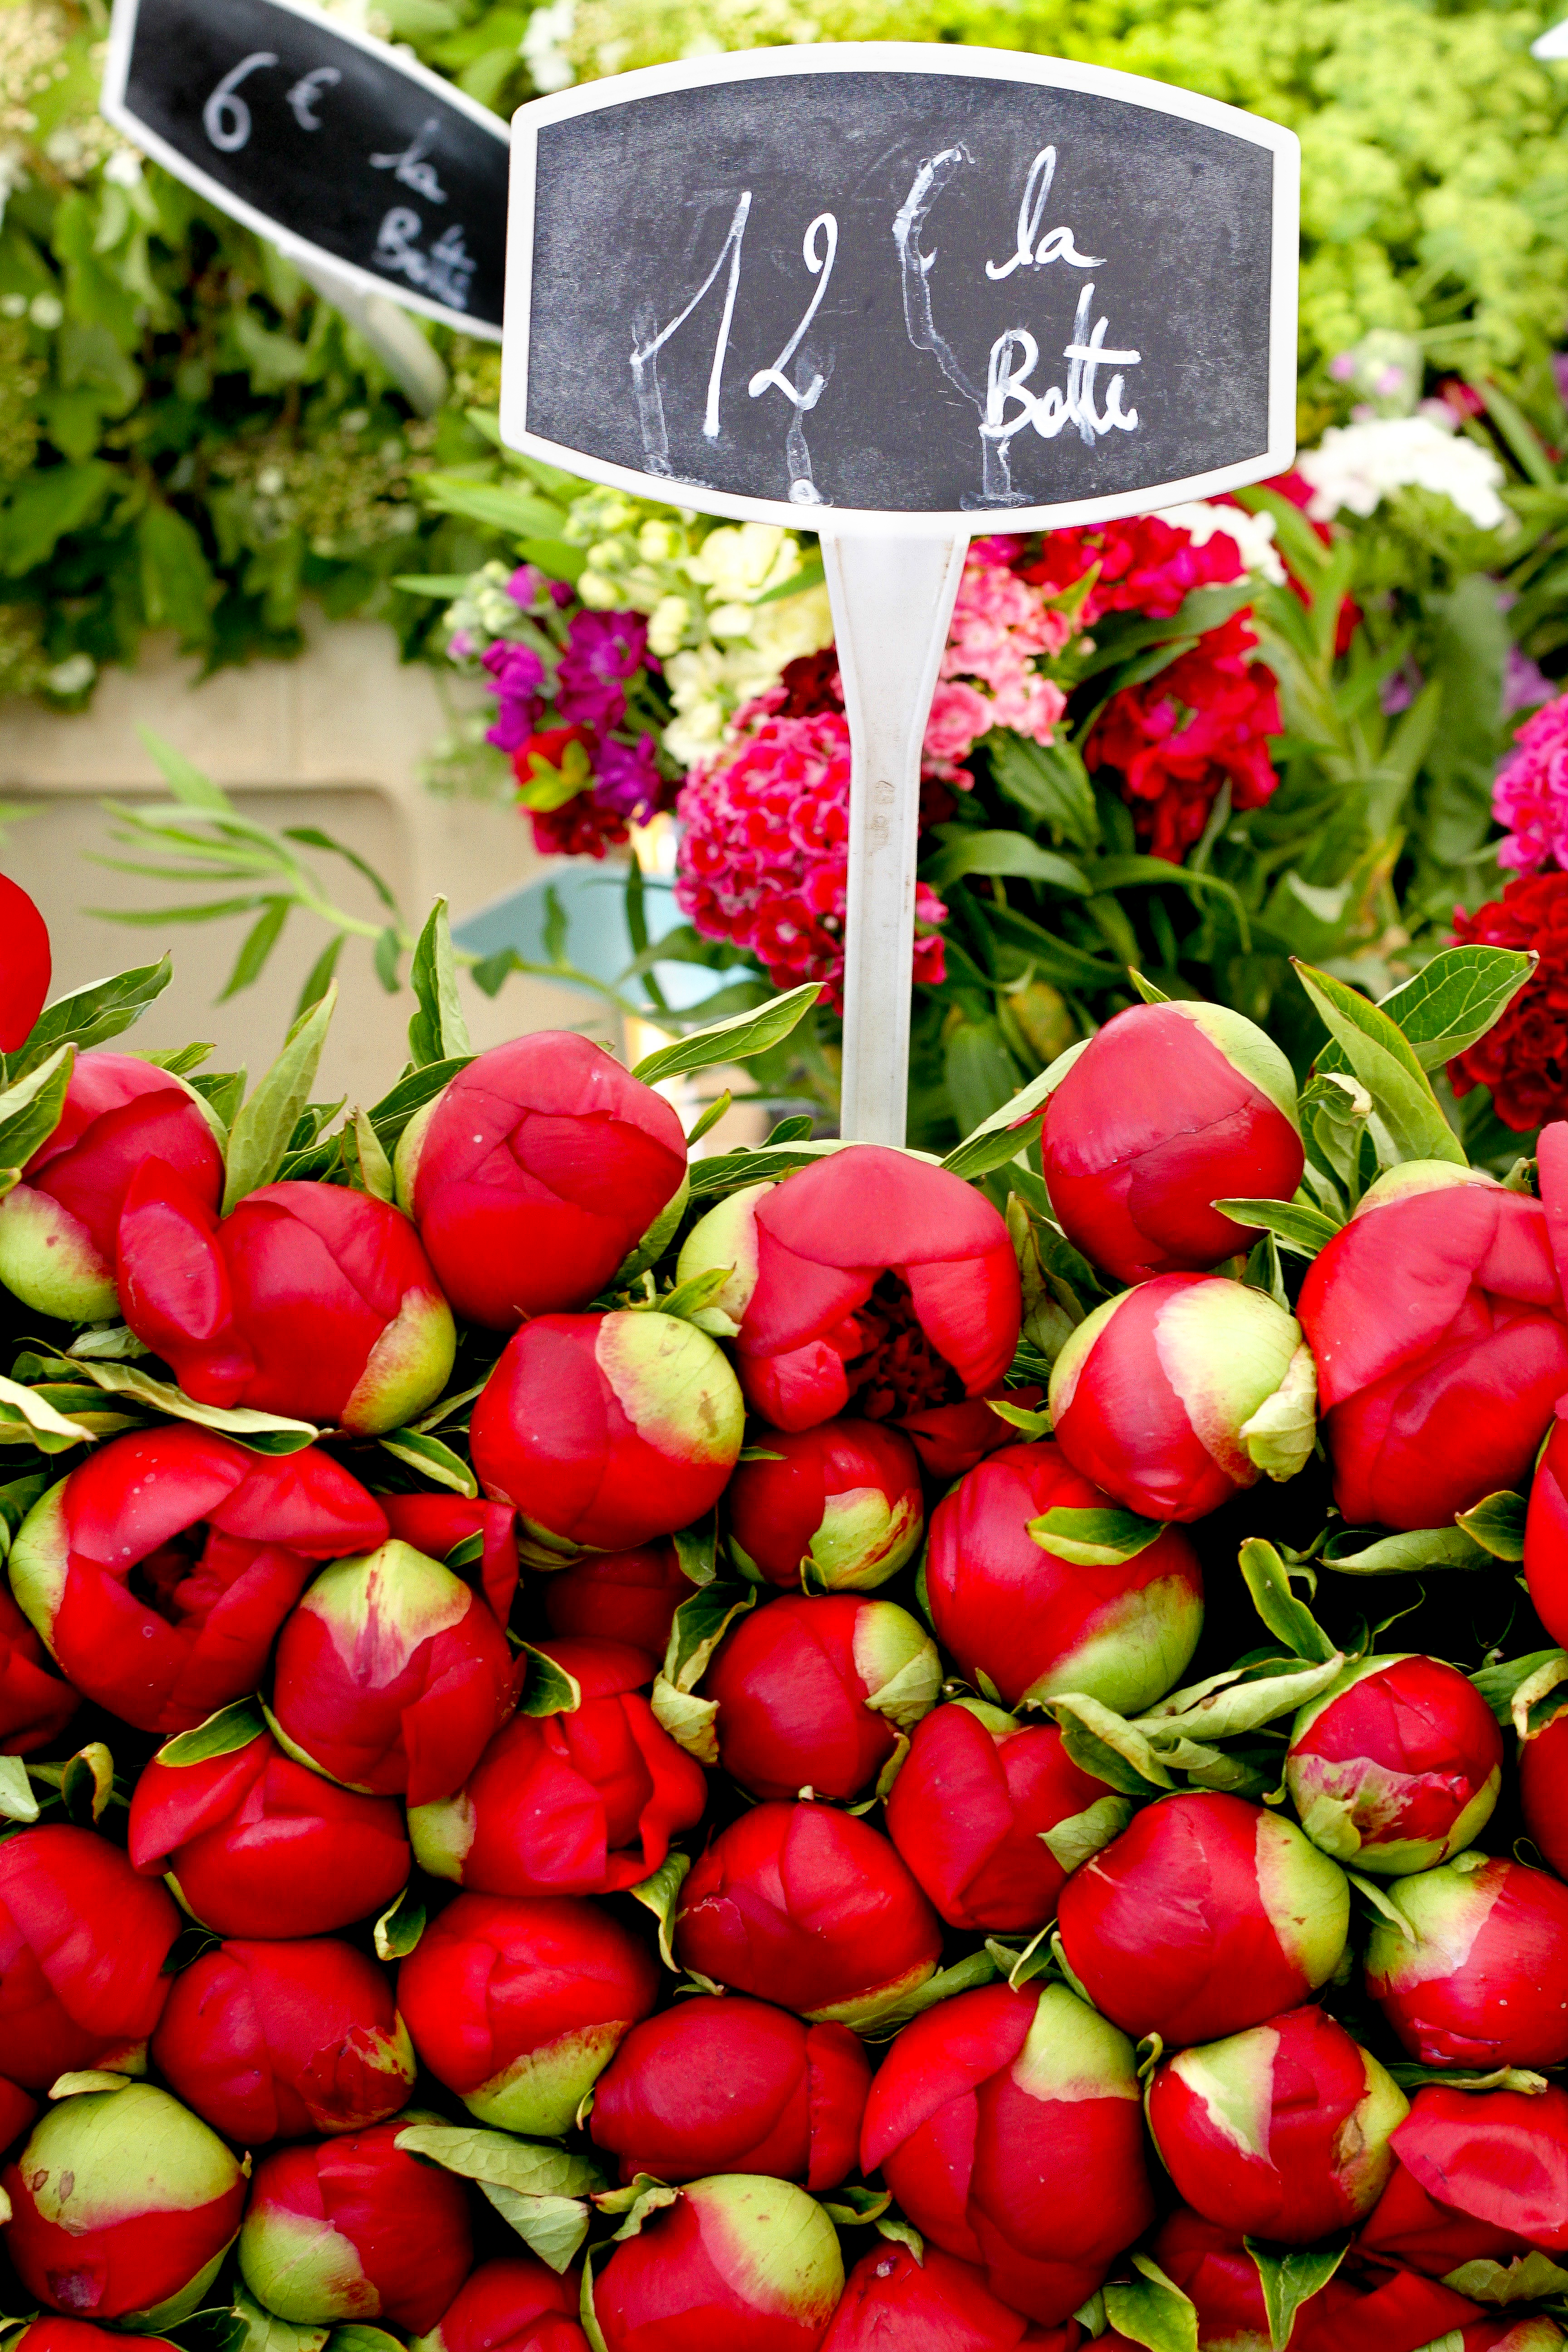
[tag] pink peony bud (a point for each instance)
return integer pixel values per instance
(478, 1540)
(1546, 1534)
(34, 1704)
(1210, 2264)
(620, 1596)
(1481, 2176)
(1036, 1626)
(750, 2264)
(1008, 2127)
(356, 2229)
(1396, 1766)
(519, 2006)
(897, 2301)
(123, 2206)
(58, 1226)
(515, 2304)
(1165, 1110)
(159, 1571)
(1206, 1915)
(814, 1693)
(255, 1844)
(307, 1300)
(276, 2041)
(731, 2084)
(1543, 1790)
(809, 1908)
(50, 2332)
(604, 1431)
(1283, 2132)
(991, 1815)
(1177, 1395)
(1484, 1981)
(535, 1173)
(25, 965)
(839, 1511)
(582, 1803)
(82, 1946)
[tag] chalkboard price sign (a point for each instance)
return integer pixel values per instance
(907, 282)
(328, 143)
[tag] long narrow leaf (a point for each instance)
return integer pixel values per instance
(744, 1033)
(264, 1129)
(184, 779)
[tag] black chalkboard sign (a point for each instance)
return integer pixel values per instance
(901, 281)
(326, 141)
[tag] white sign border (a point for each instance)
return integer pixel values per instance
(921, 58)
(114, 109)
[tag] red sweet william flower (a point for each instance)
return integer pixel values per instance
(356, 2229)
(34, 1704)
(160, 1570)
(514, 2304)
(1142, 564)
(82, 1946)
(1524, 1058)
(1203, 722)
(749, 2263)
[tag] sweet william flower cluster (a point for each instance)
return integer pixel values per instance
(596, 1749)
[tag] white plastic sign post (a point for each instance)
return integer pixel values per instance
(900, 293)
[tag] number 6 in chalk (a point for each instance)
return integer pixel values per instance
(226, 118)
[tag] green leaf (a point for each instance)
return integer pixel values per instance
(45, 506)
(1002, 1136)
(1348, 1552)
(971, 851)
(853, 2206)
(319, 977)
(1229, 1704)
(258, 945)
(1527, 2278)
(743, 1033)
(261, 1136)
(1081, 1835)
(549, 1689)
(17, 1802)
(697, 1549)
(356, 2336)
(178, 590)
(698, 1626)
(1288, 1620)
(388, 952)
(263, 1433)
(185, 779)
(400, 1927)
(1102, 1742)
(437, 1030)
(1094, 1538)
(1296, 1227)
(1047, 780)
(1146, 988)
(1499, 1682)
(1152, 2310)
(92, 1015)
(30, 1109)
(364, 1148)
(661, 1893)
(1497, 1524)
(432, 1459)
(552, 2227)
(223, 1734)
(1289, 2275)
(531, 2167)
(1387, 1065)
(249, 2328)
(392, 1114)
(496, 505)
(979, 1968)
(1454, 999)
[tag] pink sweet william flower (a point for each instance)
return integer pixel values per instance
(1530, 796)
(1001, 624)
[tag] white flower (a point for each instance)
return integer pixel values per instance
(1358, 464)
(544, 47)
(737, 563)
(1253, 534)
(667, 624)
(73, 676)
(124, 167)
(47, 310)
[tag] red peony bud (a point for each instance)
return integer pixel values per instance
(392, 1676)
(1482, 2176)
(1438, 1322)
(814, 1693)
(160, 1570)
(1206, 1915)
(809, 1908)
(25, 965)
(1283, 2132)
(478, 1540)
(356, 2229)
(1543, 1790)
(51, 2334)
(307, 1300)
(750, 2264)
(582, 1803)
(1036, 1626)
(1396, 1766)
(1371, 2308)
(82, 1946)
(1165, 1110)
(518, 2006)
(515, 2304)
(1546, 1534)
(604, 1430)
(58, 1226)
(276, 2041)
(991, 1815)
(255, 1844)
(897, 2301)
(1210, 2265)
(839, 1511)
(1180, 1394)
(1483, 1980)
(620, 1596)
(535, 1173)
(17, 2114)
(123, 2206)
(1008, 2127)
(729, 2085)
(34, 1704)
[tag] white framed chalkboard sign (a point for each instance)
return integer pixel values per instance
(340, 150)
(888, 287)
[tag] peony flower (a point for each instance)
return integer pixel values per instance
(898, 2300)
(478, 1540)
(1543, 1790)
(620, 1596)
(516, 2303)
(356, 2229)
(753, 2265)
(82, 1946)
(1481, 1979)
(837, 1509)
(34, 1704)
(816, 1693)
(1481, 2177)
(1524, 1057)
(25, 965)
(1395, 1767)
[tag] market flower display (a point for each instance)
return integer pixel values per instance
(514, 2303)
(754, 2264)
(816, 1693)
(1397, 1767)
(834, 1508)
(355, 2228)
(1482, 1980)
(82, 1946)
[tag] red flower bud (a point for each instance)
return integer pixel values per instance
(307, 1300)
(809, 1908)
(814, 1693)
(620, 1596)
(255, 1844)
(123, 2206)
(25, 965)
(17, 2112)
(991, 1815)
(1206, 1915)
(583, 1802)
(82, 1946)
(930, 2304)
(356, 2229)
(1210, 2265)
(58, 1226)
(1438, 1323)
(518, 2006)
(1167, 1109)
(1409, 2226)
(276, 2041)
(952, 1438)
(1546, 1534)
(392, 1676)
(1283, 2131)
(1543, 1790)
(482, 1535)
(1368, 2307)
(1035, 1626)
(515, 2304)
(1482, 2175)
(840, 1510)
(1177, 1395)
(808, 1255)
(1484, 1981)
(602, 1430)
(34, 1704)
(1009, 2128)
(537, 1172)
(51, 2334)
(1396, 1766)
(160, 1572)
(751, 2264)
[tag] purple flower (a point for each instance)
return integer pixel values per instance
(1398, 692)
(524, 586)
(602, 648)
(1560, 373)
(627, 779)
(1524, 684)
(517, 673)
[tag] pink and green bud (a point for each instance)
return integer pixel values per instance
(515, 2303)
(124, 2205)
(1482, 2177)
(757, 2260)
(837, 1508)
(1473, 1969)
(82, 1946)
(816, 1694)
(1396, 1766)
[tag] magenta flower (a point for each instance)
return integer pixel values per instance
(1531, 794)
